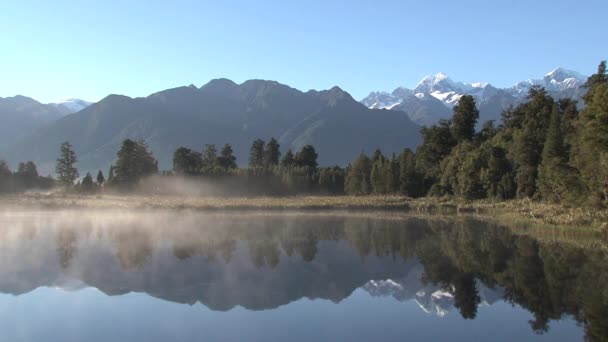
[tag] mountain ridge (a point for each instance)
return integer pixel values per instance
(419, 105)
(219, 112)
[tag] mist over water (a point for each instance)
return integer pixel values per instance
(267, 275)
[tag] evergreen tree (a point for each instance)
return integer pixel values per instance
(87, 183)
(272, 153)
(391, 176)
(187, 161)
(592, 145)
(256, 154)
(27, 174)
(554, 171)
(377, 176)
(65, 166)
(288, 160)
(358, 178)
(409, 178)
(437, 143)
(135, 161)
(209, 162)
(100, 178)
(464, 119)
(529, 140)
(111, 174)
(227, 160)
(307, 157)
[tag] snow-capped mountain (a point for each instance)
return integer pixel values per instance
(557, 80)
(421, 103)
(432, 299)
(71, 105)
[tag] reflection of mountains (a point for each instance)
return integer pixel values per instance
(254, 273)
(432, 298)
(264, 261)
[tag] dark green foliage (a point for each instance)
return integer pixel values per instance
(272, 153)
(100, 178)
(391, 175)
(111, 174)
(288, 160)
(358, 178)
(87, 183)
(377, 174)
(437, 143)
(226, 159)
(209, 163)
(256, 154)
(307, 157)
(411, 181)
(529, 140)
(555, 178)
(187, 161)
(27, 174)
(464, 119)
(592, 146)
(134, 162)
(331, 180)
(65, 166)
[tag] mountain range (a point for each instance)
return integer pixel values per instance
(221, 112)
(434, 96)
(21, 115)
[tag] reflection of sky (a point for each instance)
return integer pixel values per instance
(48, 314)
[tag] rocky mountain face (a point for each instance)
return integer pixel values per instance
(434, 96)
(221, 112)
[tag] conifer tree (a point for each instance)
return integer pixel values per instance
(65, 166)
(464, 119)
(377, 177)
(357, 180)
(100, 178)
(592, 145)
(554, 171)
(256, 154)
(409, 178)
(87, 183)
(272, 153)
(226, 159)
(288, 160)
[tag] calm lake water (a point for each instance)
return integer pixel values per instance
(86, 276)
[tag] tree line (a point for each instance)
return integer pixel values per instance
(544, 149)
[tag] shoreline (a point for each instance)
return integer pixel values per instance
(513, 211)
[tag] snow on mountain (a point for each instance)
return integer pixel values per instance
(559, 82)
(72, 105)
(431, 298)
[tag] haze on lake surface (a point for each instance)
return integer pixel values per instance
(105, 276)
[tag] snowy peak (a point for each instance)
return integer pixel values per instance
(71, 105)
(560, 74)
(556, 80)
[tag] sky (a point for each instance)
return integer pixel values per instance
(90, 49)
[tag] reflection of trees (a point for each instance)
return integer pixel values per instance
(133, 247)
(549, 280)
(66, 246)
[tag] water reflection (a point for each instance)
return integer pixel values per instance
(264, 261)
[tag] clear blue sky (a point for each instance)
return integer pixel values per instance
(58, 49)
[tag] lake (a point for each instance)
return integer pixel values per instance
(160, 276)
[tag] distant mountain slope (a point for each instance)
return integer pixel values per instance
(222, 112)
(422, 104)
(21, 116)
